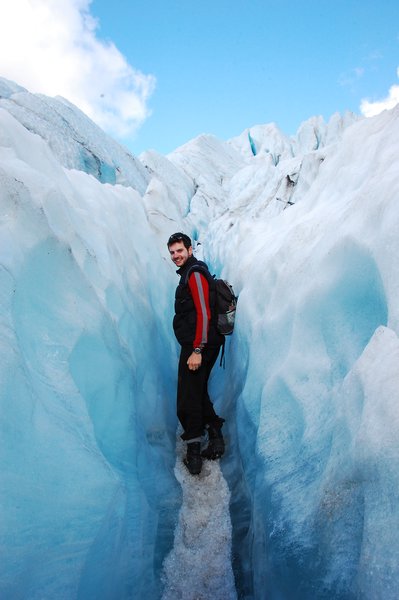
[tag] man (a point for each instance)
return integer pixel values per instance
(195, 330)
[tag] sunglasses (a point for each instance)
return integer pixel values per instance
(179, 237)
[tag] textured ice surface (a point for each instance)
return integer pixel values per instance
(199, 566)
(87, 439)
(314, 374)
(306, 228)
(77, 142)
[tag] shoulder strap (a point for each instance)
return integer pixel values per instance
(201, 268)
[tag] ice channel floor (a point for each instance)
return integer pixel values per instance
(199, 564)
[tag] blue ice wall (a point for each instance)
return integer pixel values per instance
(286, 374)
(88, 431)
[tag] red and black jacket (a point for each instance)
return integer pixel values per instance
(195, 318)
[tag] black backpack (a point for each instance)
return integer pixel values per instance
(226, 300)
(226, 304)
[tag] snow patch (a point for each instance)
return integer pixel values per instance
(199, 565)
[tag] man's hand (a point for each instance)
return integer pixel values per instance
(194, 361)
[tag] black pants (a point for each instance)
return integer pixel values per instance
(194, 407)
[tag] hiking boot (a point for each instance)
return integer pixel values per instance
(193, 460)
(215, 448)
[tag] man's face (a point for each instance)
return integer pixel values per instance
(179, 253)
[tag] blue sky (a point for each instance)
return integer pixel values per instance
(157, 73)
(222, 66)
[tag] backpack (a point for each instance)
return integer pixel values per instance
(226, 300)
(226, 304)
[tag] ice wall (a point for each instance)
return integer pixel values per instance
(87, 438)
(314, 374)
(76, 141)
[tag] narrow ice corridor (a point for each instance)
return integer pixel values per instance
(199, 564)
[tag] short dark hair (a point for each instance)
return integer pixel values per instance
(179, 237)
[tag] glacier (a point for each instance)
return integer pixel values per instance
(94, 500)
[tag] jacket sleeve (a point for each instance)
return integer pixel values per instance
(199, 289)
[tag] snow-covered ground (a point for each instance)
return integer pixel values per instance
(306, 228)
(199, 564)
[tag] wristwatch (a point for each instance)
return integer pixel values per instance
(197, 350)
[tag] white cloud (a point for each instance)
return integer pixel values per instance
(51, 47)
(370, 109)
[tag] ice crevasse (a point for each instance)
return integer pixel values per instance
(90, 491)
